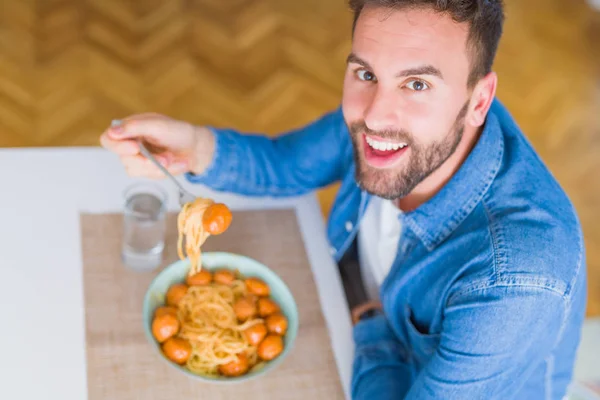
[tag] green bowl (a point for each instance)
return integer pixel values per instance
(176, 273)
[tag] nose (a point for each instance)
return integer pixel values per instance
(380, 114)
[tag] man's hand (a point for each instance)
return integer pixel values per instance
(179, 146)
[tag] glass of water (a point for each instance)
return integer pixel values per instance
(144, 226)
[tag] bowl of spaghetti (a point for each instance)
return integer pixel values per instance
(218, 317)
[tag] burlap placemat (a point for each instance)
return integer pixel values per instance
(122, 365)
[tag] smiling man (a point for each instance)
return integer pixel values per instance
(463, 259)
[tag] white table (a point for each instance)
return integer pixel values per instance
(41, 292)
(41, 297)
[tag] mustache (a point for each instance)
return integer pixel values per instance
(400, 135)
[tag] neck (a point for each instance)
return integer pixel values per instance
(438, 178)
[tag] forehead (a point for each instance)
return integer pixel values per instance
(410, 37)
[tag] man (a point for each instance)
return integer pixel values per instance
(472, 248)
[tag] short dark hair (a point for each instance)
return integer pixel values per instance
(485, 19)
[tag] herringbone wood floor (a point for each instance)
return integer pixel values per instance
(67, 67)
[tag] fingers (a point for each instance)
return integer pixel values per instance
(120, 136)
(149, 126)
(139, 166)
(119, 147)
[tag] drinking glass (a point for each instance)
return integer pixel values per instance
(144, 226)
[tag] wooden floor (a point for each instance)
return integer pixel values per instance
(68, 67)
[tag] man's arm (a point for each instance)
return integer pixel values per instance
(287, 165)
(491, 341)
(381, 368)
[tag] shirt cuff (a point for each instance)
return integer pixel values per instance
(223, 169)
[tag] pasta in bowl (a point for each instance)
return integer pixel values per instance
(219, 317)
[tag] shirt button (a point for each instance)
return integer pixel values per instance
(349, 226)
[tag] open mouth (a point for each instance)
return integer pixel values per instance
(382, 153)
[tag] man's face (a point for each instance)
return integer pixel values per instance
(405, 96)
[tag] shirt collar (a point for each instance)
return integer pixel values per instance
(436, 219)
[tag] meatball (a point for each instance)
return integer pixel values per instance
(224, 277)
(270, 347)
(235, 368)
(257, 287)
(277, 324)
(267, 307)
(165, 326)
(256, 333)
(165, 310)
(216, 218)
(245, 308)
(175, 293)
(201, 278)
(177, 350)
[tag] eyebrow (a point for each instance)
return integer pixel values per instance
(353, 58)
(422, 70)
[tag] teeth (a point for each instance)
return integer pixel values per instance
(384, 146)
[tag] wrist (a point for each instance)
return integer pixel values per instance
(203, 149)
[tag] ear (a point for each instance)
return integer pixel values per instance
(482, 98)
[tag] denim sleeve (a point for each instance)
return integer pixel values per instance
(491, 341)
(381, 368)
(290, 164)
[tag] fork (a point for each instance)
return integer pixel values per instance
(184, 195)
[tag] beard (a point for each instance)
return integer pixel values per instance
(422, 160)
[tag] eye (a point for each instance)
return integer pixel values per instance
(365, 75)
(417, 86)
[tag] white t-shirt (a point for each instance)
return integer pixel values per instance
(378, 239)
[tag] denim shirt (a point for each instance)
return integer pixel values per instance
(487, 294)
